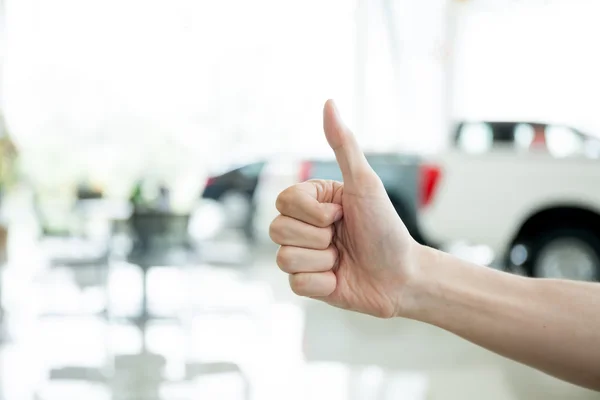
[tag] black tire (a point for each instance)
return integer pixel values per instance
(583, 241)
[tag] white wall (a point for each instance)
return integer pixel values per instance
(535, 61)
(87, 80)
(218, 77)
(405, 76)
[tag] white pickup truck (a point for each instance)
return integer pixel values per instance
(532, 196)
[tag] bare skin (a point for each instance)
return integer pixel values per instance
(344, 244)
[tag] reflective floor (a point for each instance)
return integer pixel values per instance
(225, 328)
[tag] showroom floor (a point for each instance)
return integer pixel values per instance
(237, 325)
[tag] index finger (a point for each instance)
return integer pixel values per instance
(301, 202)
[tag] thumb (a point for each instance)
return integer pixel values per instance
(350, 158)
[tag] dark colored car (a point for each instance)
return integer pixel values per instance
(408, 182)
(234, 190)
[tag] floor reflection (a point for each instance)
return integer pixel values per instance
(227, 331)
(213, 332)
(227, 337)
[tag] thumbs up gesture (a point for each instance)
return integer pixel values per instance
(344, 243)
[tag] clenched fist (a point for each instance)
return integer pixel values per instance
(344, 243)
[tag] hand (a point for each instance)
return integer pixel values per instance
(344, 243)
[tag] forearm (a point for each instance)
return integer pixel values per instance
(551, 325)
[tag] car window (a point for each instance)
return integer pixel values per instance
(558, 140)
(475, 137)
(563, 141)
(524, 134)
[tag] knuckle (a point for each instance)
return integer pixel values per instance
(298, 283)
(275, 230)
(283, 200)
(284, 259)
(279, 202)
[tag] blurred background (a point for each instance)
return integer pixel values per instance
(143, 144)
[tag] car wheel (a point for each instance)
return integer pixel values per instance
(566, 254)
(236, 207)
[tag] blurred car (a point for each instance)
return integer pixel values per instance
(527, 191)
(558, 140)
(404, 178)
(234, 191)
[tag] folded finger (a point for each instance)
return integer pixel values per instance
(296, 259)
(287, 231)
(313, 284)
(310, 202)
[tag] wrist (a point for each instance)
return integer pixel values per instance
(420, 287)
(442, 284)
